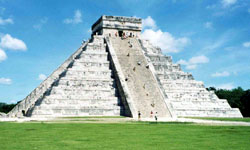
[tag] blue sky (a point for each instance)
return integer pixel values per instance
(209, 38)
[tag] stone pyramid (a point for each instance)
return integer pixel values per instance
(117, 73)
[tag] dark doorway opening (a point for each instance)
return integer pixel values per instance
(120, 33)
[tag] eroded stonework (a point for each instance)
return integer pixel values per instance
(117, 73)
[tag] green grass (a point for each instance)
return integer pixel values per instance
(85, 117)
(127, 136)
(223, 119)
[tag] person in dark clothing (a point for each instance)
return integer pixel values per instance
(139, 115)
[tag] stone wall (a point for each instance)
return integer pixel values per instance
(83, 87)
(186, 96)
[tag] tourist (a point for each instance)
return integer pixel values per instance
(156, 116)
(139, 115)
(151, 114)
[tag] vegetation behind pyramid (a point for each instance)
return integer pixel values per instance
(117, 73)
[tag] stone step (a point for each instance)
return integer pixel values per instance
(160, 58)
(96, 69)
(88, 73)
(87, 86)
(172, 82)
(95, 48)
(92, 103)
(91, 52)
(77, 89)
(85, 83)
(190, 88)
(199, 104)
(80, 95)
(88, 60)
(86, 55)
(80, 98)
(74, 107)
(81, 101)
(91, 64)
(76, 112)
(163, 66)
(184, 85)
(211, 113)
(83, 92)
(86, 78)
(188, 98)
(92, 75)
(202, 109)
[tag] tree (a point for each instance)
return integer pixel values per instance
(245, 100)
(237, 98)
(6, 107)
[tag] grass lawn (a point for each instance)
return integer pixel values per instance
(128, 136)
(223, 119)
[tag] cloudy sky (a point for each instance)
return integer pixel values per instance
(209, 38)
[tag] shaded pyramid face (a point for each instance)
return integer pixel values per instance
(117, 73)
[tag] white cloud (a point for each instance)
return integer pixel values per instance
(194, 61)
(221, 74)
(13, 101)
(226, 3)
(76, 19)
(40, 24)
(199, 60)
(165, 40)
(3, 55)
(42, 77)
(9, 42)
(208, 25)
(5, 81)
(227, 86)
(6, 21)
(148, 22)
(246, 44)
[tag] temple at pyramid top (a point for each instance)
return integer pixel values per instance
(107, 25)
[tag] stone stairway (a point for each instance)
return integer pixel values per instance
(85, 88)
(142, 86)
(187, 97)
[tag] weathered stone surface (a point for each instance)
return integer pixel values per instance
(143, 87)
(117, 73)
(186, 96)
(2, 115)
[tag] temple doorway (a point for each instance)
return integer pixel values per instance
(120, 33)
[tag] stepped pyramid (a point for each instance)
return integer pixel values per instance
(118, 73)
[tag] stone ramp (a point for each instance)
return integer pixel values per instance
(142, 85)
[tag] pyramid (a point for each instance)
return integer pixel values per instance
(116, 73)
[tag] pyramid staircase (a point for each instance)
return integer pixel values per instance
(82, 86)
(185, 96)
(142, 85)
